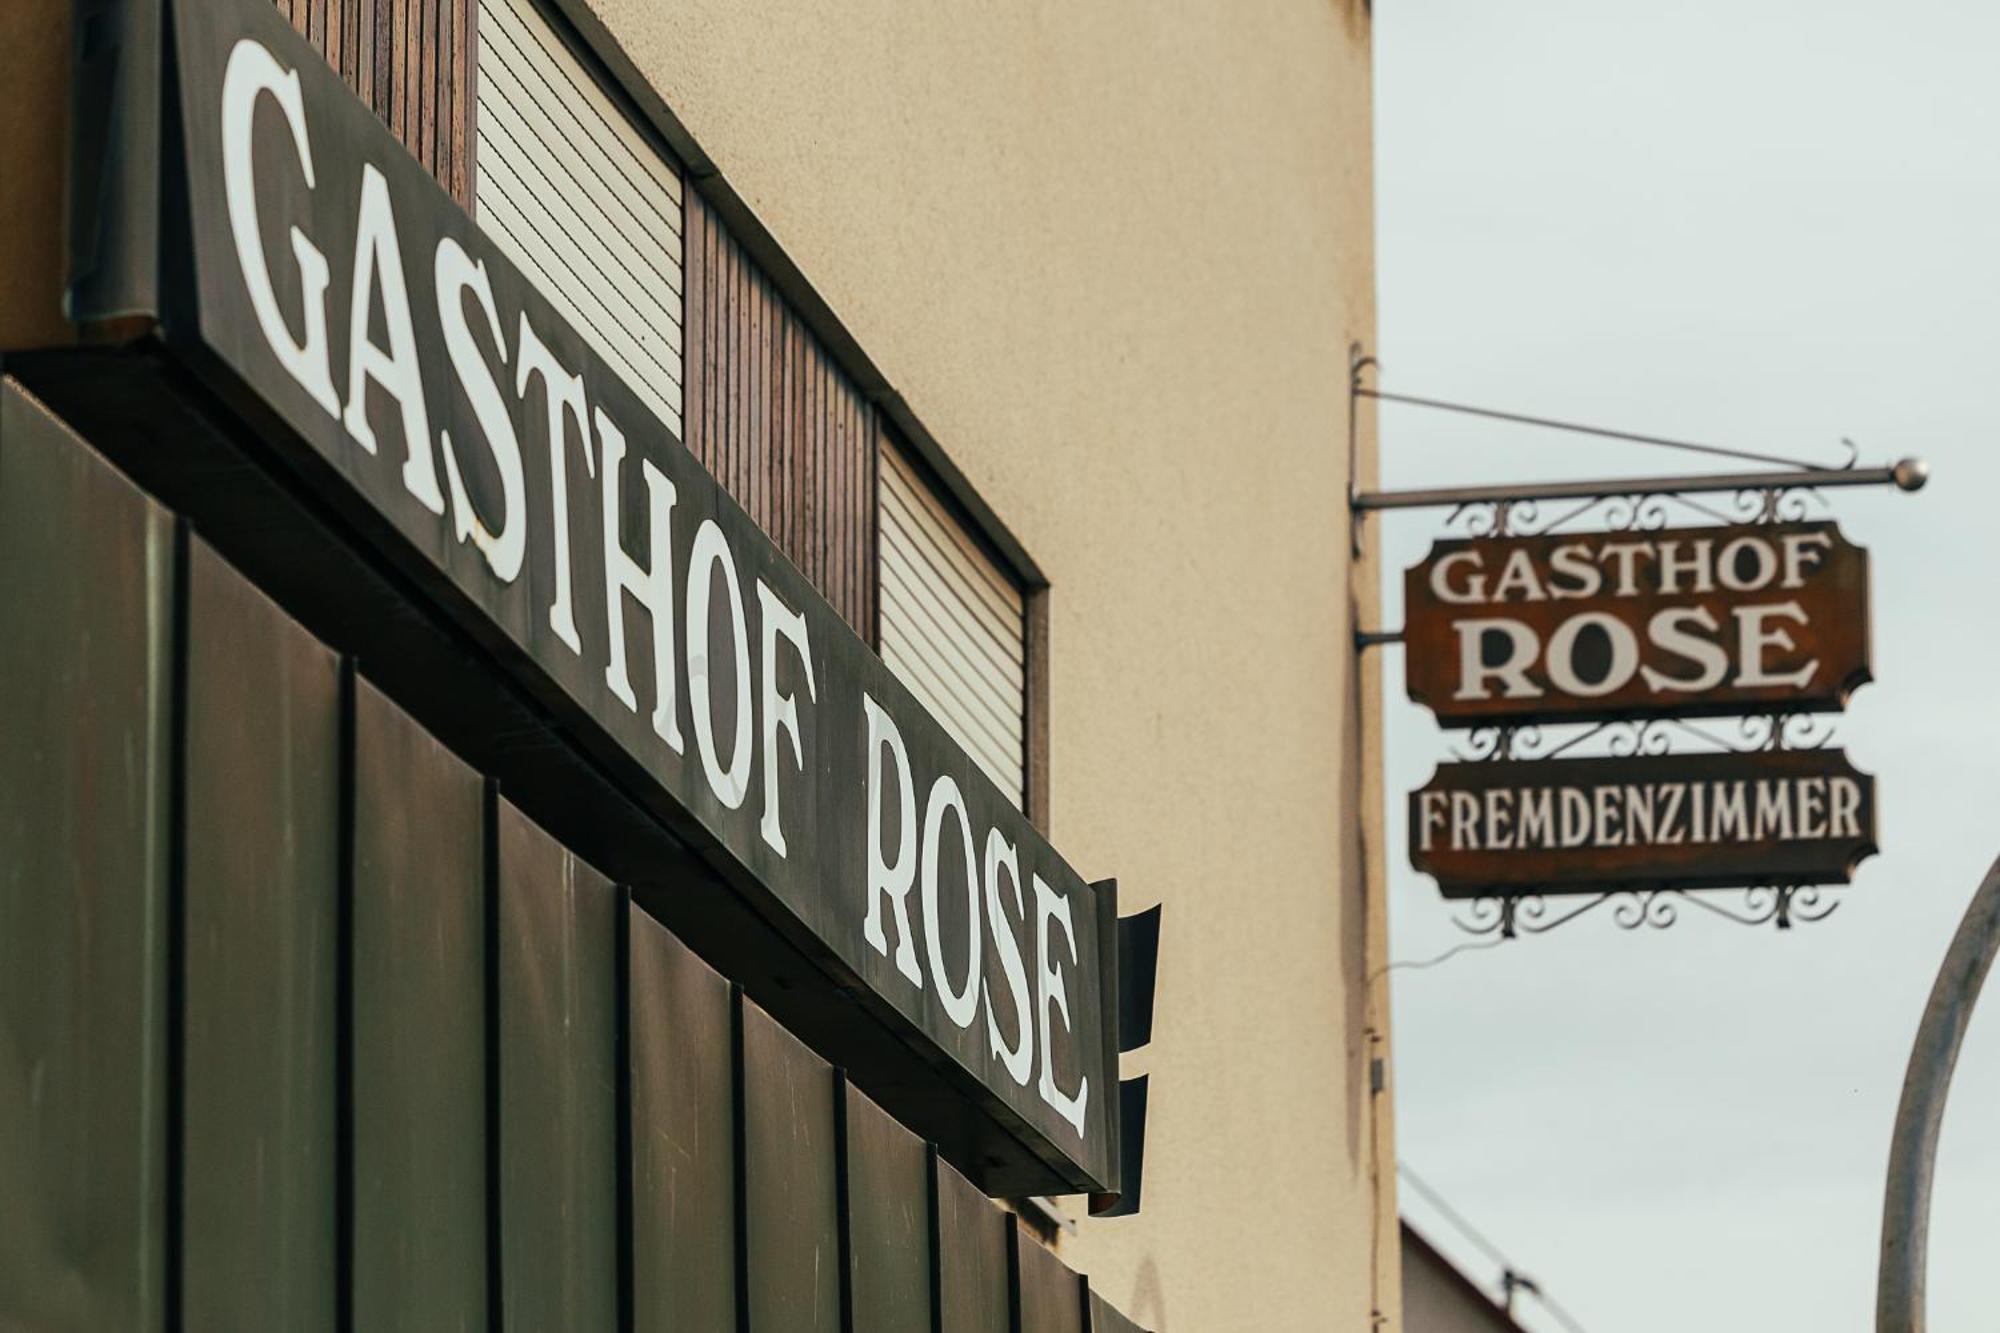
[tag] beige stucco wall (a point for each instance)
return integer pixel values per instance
(1113, 252)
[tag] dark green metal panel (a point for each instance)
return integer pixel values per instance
(683, 1137)
(556, 946)
(888, 1221)
(1051, 1296)
(791, 1193)
(262, 791)
(418, 1011)
(85, 617)
(972, 1266)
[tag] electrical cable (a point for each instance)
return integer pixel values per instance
(1686, 446)
(1487, 1247)
(1419, 964)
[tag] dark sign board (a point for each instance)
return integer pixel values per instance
(312, 272)
(1685, 622)
(1652, 821)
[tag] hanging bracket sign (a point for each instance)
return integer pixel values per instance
(1649, 821)
(1610, 627)
(1682, 622)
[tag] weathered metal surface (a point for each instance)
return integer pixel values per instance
(1138, 974)
(557, 931)
(417, 1029)
(1685, 622)
(265, 790)
(1677, 820)
(683, 1167)
(791, 1193)
(1913, 1145)
(261, 777)
(888, 1221)
(1050, 1298)
(86, 587)
(1129, 1197)
(974, 1281)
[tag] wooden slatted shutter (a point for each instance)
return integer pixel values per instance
(572, 191)
(411, 60)
(953, 623)
(780, 425)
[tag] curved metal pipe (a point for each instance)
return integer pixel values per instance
(1906, 1204)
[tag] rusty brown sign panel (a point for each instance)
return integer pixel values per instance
(1652, 821)
(1683, 622)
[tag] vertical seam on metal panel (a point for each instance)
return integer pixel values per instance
(345, 1165)
(1013, 1274)
(936, 1224)
(843, 1203)
(490, 878)
(621, 1026)
(739, 1114)
(176, 979)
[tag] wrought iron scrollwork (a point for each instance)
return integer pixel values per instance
(1647, 909)
(1618, 511)
(1782, 906)
(1632, 739)
(1490, 743)
(1777, 505)
(1498, 518)
(1786, 731)
(1637, 511)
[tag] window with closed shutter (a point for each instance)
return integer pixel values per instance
(571, 190)
(953, 623)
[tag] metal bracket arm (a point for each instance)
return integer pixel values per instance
(1909, 474)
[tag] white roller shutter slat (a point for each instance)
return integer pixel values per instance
(572, 241)
(510, 80)
(919, 590)
(912, 541)
(526, 21)
(912, 496)
(976, 678)
(975, 698)
(577, 303)
(994, 757)
(574, 193)
(953, 624)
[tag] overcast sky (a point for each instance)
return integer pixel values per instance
(1755, 223)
